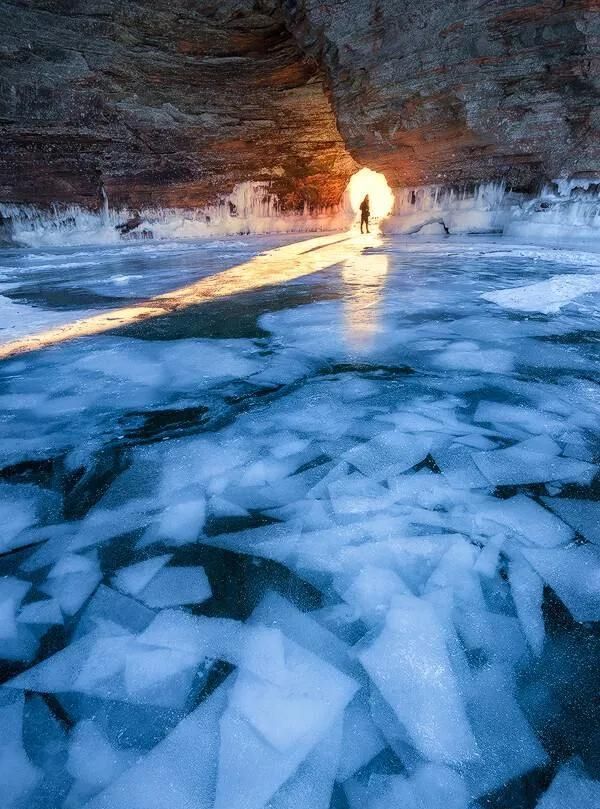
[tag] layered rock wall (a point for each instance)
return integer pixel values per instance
(174, 102)
(461, 91)
(167, 102)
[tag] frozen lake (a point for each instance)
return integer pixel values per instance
(319, 531)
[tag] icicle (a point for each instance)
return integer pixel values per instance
(105, 215)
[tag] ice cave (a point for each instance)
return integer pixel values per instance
(299, 514)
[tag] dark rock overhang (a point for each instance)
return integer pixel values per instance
(172, 103)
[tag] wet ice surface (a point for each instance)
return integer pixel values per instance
(47, 286)
(333, 543)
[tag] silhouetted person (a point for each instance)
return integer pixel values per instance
(364, 213)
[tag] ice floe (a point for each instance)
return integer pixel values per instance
(546, 296)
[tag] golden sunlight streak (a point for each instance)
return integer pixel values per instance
(273, 267)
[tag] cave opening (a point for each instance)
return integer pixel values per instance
(373, 183)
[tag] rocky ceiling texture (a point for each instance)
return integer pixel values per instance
(173, 102)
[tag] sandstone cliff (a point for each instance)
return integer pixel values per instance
(462, 90)
(173, 102)
(168, 102)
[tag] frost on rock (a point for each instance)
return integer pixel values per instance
(282, 560)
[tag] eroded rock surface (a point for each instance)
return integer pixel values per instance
(173, 102)
(458, 91)
(169, 102)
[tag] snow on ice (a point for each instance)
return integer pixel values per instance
(546, 296)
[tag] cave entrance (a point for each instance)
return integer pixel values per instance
(373, 183)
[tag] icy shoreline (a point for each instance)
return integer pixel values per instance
(250, 209)
(564, 213)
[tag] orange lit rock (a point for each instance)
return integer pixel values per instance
(167, 102)
(171, 102)
(461, 91)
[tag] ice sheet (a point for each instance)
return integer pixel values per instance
(134, 578)
(583, 515)
(519, 464)
(546, 296)
(185, 761)
(18, 775)
(574, 574)
(571, 789)
(506, 743)
(275, 724)
(176, 585)
(355, 490)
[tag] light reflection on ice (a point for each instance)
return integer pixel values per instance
(364, 277)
